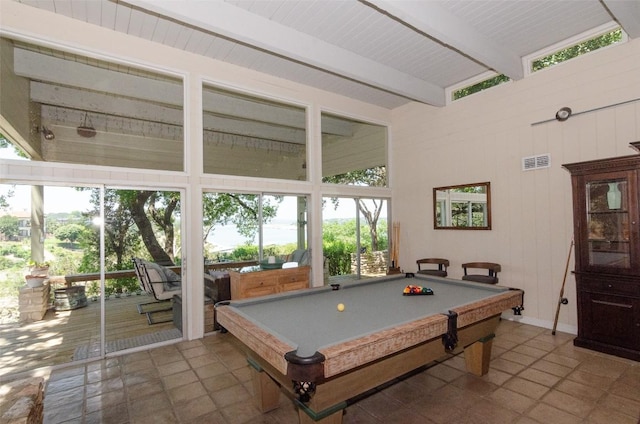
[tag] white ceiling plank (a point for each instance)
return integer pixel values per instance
(160, 31)
(93, 13)
(46, 68)
(627, 13)
(123, 16)
(431, 19)
(224, 19)
(148, 27)
(90, 101)
(253, 129)
(108, 14)
(63, 7)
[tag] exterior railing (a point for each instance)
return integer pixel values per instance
(69, 280)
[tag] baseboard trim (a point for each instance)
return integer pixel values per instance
(564, 328)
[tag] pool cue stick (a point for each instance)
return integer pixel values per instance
(562, 300)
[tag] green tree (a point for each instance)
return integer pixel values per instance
(5, 144)
(135, 217)
(370, 208)
(69, 232)
(241, 210)
(122, 240)
(9, 226)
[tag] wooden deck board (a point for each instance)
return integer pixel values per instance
(53, 341)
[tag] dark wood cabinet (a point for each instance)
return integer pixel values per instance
(606, 208)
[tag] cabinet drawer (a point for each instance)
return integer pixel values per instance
(294, 285)
(259, 283)
(258, 290)
(610, 287)
(293, 277)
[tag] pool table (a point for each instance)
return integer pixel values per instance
(299, 341)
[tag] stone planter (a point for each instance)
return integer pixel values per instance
(34, 280)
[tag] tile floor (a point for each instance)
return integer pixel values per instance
(535, 377)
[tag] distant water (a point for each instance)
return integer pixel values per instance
(225, 238)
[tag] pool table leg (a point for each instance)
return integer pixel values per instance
(267, 392)
(477, 356)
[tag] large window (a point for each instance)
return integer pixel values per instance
(353, 152)
(62, 107)
(252, 136)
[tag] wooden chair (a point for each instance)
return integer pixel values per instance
(492, 268)
(442, 266)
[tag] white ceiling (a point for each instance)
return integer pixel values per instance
(383, 52)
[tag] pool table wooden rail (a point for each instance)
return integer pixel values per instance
(342, 357)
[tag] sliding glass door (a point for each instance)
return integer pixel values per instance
(67, 282)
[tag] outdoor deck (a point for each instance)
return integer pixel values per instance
(61, 335)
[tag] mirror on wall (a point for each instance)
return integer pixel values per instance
(462, 207)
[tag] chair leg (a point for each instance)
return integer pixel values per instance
(141, 306)
(152, 321)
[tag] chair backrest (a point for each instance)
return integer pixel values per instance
(492, 272)
(141, 273)
(301, 256)
(442, 266)
(156, 280)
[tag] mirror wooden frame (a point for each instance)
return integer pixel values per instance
(446, 196)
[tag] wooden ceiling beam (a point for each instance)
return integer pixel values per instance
(428, 18)
(627, 14)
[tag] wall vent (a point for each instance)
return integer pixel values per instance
(530, 163)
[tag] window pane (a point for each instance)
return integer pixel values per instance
(355, 238)
(231, 226)
(287, 230)
(353, 152)
(577, 50)
(251, 136)
(65, 107)
(245, 227)
(608, 223)
(479, 86)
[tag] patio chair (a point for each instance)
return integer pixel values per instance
(300, 256)
(159, 282)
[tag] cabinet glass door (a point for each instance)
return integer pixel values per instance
(608, 223)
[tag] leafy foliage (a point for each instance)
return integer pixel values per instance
(577, 50)
(339, 243)
(9, 226)
(370, 177)
(482, 85)
(241, 210)
(69, 232)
